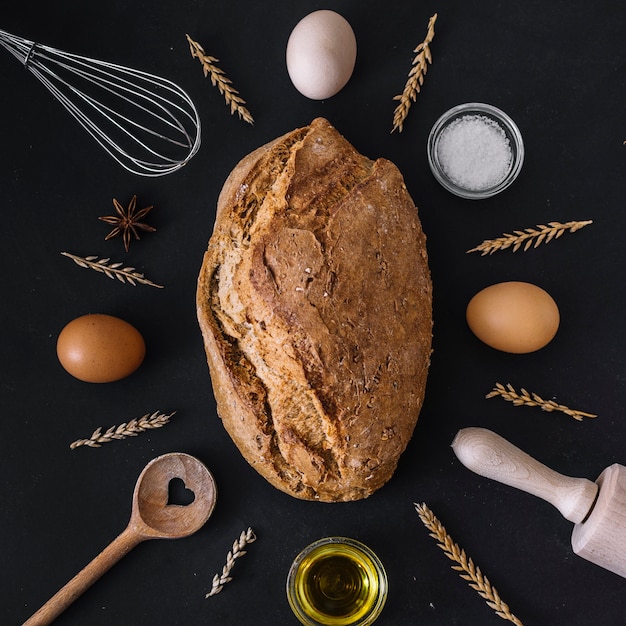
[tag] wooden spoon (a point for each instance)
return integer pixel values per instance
(152, 517)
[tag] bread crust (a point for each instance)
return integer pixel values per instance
(315, 304)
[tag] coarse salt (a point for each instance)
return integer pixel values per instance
(474, 152)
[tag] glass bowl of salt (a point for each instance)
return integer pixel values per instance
(475, 150)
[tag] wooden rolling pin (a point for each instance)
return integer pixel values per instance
(597, 509)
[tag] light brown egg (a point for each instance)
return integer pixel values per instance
(100, 348)
(513, 317)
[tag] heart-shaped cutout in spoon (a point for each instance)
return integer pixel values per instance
(152, 517)
(178, 494)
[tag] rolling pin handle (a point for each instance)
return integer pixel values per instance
(489, 455)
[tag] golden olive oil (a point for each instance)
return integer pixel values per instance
(337, 582)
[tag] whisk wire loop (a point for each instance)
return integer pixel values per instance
(147, 123)
(102, 78)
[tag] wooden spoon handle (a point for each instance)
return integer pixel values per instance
(491, 456)
(118, 548)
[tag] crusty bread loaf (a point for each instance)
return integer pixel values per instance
(315, 305)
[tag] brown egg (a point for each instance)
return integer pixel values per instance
(513, 317)
(99, 348)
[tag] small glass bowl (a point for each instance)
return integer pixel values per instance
(337, 581)
(476, 109)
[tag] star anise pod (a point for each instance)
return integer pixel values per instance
(127, 222)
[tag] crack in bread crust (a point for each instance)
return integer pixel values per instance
(315, 304)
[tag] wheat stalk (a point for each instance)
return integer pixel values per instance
(112, 270)
(127, 429)
(416, 77)
(530, 237)
(219, 580)
(468, 571)
(219, 80)
(532, 399)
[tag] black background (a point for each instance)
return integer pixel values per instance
(557, 68)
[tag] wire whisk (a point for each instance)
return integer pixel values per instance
(147, 123)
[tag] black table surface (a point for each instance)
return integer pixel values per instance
(557, 68)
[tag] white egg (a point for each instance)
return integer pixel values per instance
(321, 53)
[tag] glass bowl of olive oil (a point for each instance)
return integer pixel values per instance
(337, 581)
